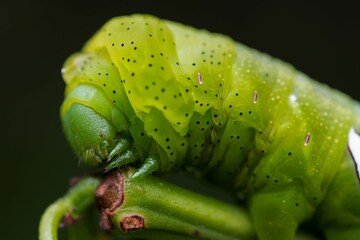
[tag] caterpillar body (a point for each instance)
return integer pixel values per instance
(165, 96)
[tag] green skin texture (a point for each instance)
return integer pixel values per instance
(190, 98)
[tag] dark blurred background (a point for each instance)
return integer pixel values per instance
(320, 39)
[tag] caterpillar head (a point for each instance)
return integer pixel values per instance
(127, 71)
(92, 115)
(131, 71)
(91, 136)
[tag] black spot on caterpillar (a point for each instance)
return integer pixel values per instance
(164, 96)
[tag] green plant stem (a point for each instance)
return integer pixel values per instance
(168, 212)
(78, 199)
(166, 207)
(148, 234)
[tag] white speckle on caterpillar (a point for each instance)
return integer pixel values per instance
(199, 78)
(307, 139)
(255, 97)
(293, 98)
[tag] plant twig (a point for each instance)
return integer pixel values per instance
(145, 209)
(68, 209)
(153, 204)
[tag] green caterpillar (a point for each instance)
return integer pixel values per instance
(163, 96)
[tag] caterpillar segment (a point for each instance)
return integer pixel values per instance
(163, 96)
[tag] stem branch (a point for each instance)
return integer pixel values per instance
(154, 204)
(78, 199)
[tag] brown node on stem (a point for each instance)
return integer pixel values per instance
(132, 222)
(74, 180)
(67, 220)
(195, 232)
(109, 197)
(105, 222)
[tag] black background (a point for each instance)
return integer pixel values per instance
(320, 39)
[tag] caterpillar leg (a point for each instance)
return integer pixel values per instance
(339, 213)
(150, 165)
(99, 143)
(274, 216)
(126, 157)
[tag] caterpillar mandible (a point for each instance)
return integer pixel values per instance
(163, 96)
